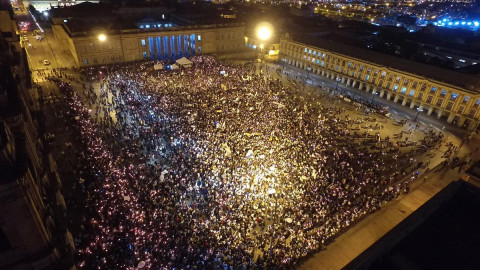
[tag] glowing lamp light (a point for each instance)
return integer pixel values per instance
(102, 37)
(264, 31)
(475, 23)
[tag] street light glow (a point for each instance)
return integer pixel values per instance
(264, 31)
(102, 37)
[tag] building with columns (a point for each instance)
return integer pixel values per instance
(126, 39)
(441, 93)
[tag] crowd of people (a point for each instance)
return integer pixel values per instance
(218, 167)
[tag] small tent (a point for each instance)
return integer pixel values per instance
(174, 66)
(158, 67)
(184, 62)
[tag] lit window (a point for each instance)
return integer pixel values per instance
(395, 87)
(465, 100)
(163, 16)
(454, 96)
(143, 42)
(318, 61)
(142, 26)
(404, 89)
(305, 49)
(443, 93)
(310, 51)
(367, 77)
(86, 61)
(314, 52)
(147, 26)
(412, 92)
(313, 60)
(145, 55)
(199, 38)
(322, 63)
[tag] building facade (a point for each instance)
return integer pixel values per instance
(33, 234)
(442, 100)
(155, 43)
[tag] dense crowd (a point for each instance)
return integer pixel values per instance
(215, 167)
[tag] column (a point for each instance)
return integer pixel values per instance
(348, 82)
(367, 89)
(450, 118)
(343, 79)
(439, 114)
(412, 104)
(404, 101)
(360, 85)
(461, 121)
(395, 99)
(430, 110)
(382, 92)
(389, 95)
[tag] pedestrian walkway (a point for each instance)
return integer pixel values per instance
(356, 240)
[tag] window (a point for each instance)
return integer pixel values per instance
(314, 52)
(420, 96)
(395, 88)
(439, 102)
(383, 74)
(465, 99)
(361, 68)
(323, 62)
(429, 99)
(376, 72)
(367, 77)
(412, 92)
(306, 49)
(95, 60)
(147, 26)
(454, 96)
(390, 78)
(85, 61)
(398, 79)
(472, 113)
(199, 49)
(199, 38)
(460, 109)
(404, 89)
(405, 82)
(310, 51)
(313, 60)
(424, 86)
(369, 70)
(143, 42)
(112, 58)
(92, 47)
(477, 103)
(83, 48)
(433, 90)
(443, 93)
(145, 55)
(318, 61)
(449, 106)
(414, 85)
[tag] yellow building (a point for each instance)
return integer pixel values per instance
(436, 91)
(150, 39)
(268, 49)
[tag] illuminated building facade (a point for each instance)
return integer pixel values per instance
(153, 42)
(438, 92)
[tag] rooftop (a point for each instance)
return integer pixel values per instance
(465, 81)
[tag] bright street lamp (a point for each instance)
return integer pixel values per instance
(102, 37)
(373, 96)
(418, 111)
(264, 31)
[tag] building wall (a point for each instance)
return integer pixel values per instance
(134, 45)
(436, 98)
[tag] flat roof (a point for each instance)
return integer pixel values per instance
(466, 81)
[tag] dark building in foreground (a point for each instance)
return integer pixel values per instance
(32, 209)
(442, 234)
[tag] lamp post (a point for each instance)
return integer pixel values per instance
(338, 80)
(418, 111)
(373, 96)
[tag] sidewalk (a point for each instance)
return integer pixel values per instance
(361, 236)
